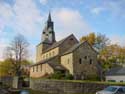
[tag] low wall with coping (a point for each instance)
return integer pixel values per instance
(65, 87)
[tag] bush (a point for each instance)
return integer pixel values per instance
(69, 77)
(57, 75)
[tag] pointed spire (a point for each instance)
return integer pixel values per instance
(49, 17)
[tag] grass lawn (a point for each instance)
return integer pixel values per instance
(36, 92)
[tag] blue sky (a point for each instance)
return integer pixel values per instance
(79, 17)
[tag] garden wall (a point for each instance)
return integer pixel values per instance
(67, 87)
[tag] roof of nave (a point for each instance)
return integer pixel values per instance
(76, 46)
(56, 44)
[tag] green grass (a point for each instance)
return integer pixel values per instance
(86, 81)
(36, 92)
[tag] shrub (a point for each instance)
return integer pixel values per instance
(57, 75)
(69, 77)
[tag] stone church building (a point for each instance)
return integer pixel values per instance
(67, 55)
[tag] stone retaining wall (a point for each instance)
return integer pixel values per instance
(61, 87)
(6, 80)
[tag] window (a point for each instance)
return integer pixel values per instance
(68, 61)
(120, 90)
(46, 55)
(50, 54)
(41, 67)
(85, 57)
(53, 53)
(43, 56)
(80, 61)
(90, 61)
(71, 38)
(33, 68)
(37, 68)
(43, 32)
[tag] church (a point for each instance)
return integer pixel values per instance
(67, 56)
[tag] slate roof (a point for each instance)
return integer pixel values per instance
(56, 44)
(116, 71)
(73, 48)
(76, 46)
(54, 65)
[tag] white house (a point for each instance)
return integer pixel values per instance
(116, 74)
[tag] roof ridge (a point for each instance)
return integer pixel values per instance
(57, 43)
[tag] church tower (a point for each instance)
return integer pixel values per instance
(48, 34)
(48, 38)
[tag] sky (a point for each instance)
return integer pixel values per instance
(80, 17)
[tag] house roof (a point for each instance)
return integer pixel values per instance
(44, 61)
(73, 48)
(56, 44)
(54, 65)
(76, 46)
(116, 71)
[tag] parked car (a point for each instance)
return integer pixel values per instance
(112, 90)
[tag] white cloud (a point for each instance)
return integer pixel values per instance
(3, 44)
(44, 2)
(27, 15)
(115, 39)
(115, 8)
(23, 17)
(68, 21)
(97, 10)
(5, 15)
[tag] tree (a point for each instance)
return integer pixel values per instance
(101, 42)
(17, 52)
(90, 38)
(98, 41)
(6, 68)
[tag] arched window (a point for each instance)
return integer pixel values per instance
(80, 61)
(85, 57)
(90, 61)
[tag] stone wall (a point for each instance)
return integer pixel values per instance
(67, 62)
(41, 70)
(65, 87)
(85, 62)
(7, 80)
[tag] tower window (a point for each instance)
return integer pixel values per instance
(53, 53)
(46, 55)
(43, 32)
(80, 61)
(68, 61)
(50, 54)
(50, 32)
